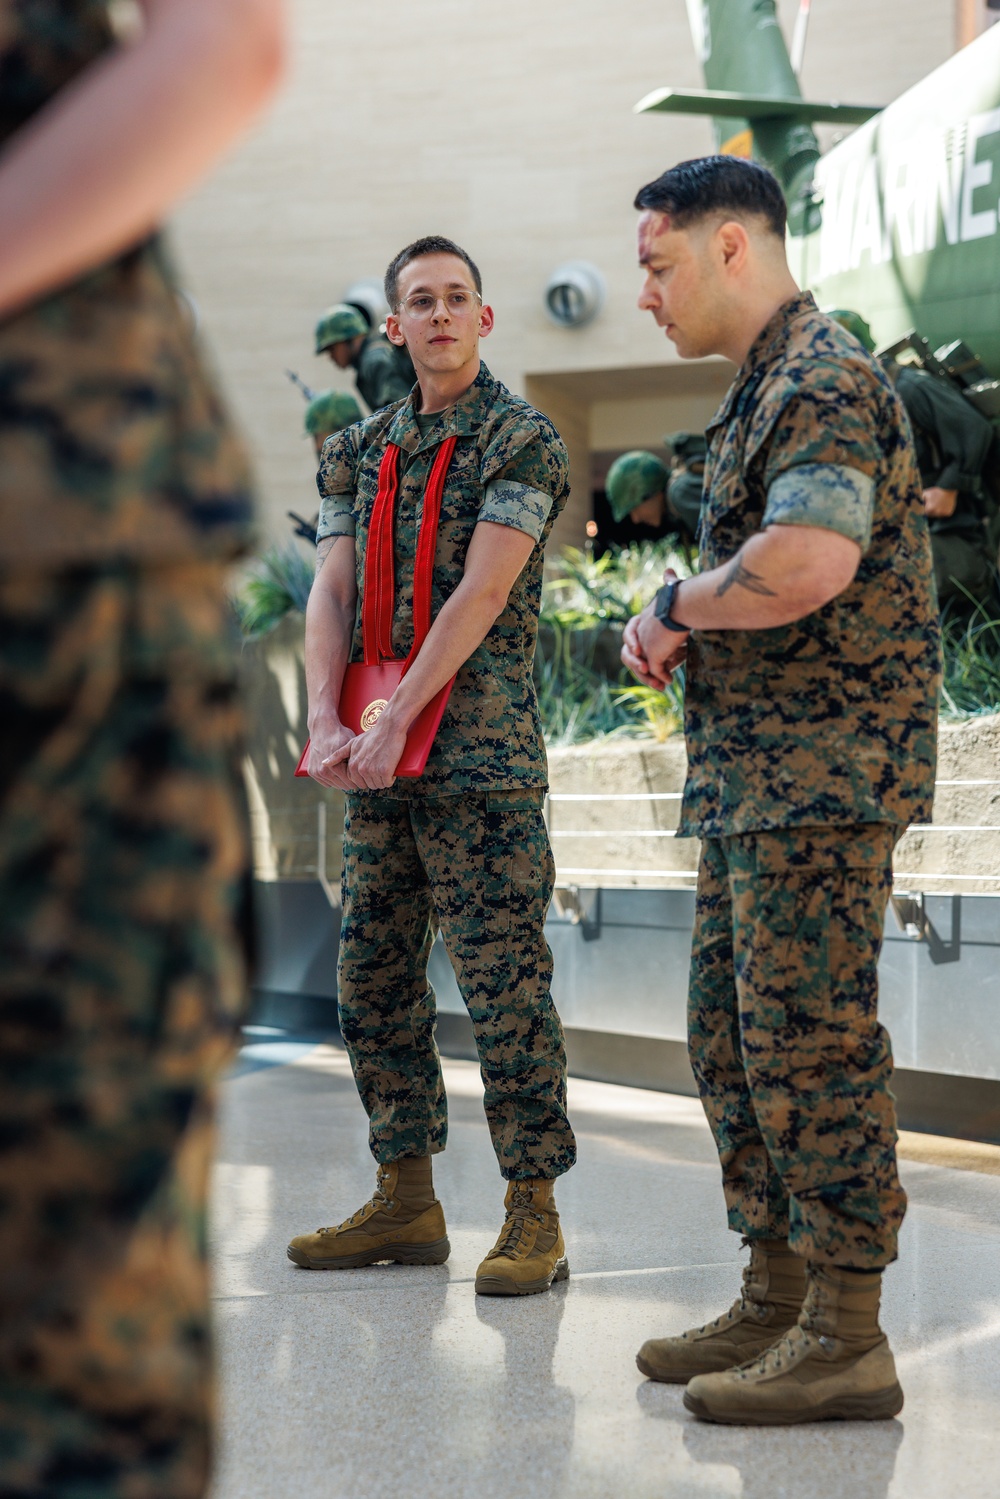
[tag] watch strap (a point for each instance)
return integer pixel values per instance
(663, 604)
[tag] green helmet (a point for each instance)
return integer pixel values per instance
(632, 478)
(855, 324)
(338, 323)
(331, 411)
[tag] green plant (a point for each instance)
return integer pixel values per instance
(971, 682)
(282, 583)
(663, 711)
(587, 592)
(583, 692)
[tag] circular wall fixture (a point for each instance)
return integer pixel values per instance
(368, 297)
(575, 294)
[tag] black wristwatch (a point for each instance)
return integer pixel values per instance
(664, 602)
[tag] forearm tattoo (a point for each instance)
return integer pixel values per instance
(323, 551)
(738, 574)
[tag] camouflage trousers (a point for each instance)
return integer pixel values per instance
(791, 1062)
(122, 878)
(477, 867)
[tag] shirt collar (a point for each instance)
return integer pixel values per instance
(769, 345)
(463, 419)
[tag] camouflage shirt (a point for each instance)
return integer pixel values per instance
(509, 467)
(832, 719)
(113, 440)
(384, 372)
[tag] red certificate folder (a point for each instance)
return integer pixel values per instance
(368, 685)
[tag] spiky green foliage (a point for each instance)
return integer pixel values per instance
(281, 584)
(589, 591)
(971, 666)
(583, 691)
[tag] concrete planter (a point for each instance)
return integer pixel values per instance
(618, 831)
(614, 802)
(285, 812)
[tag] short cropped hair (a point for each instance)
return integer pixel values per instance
(729, 185)
(431, 244)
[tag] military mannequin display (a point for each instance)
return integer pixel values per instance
(124, 849)
(687, 479)
(812, 651)
(462, 848)
(383, 371)
(636, 488)
(953, 442)
(656, 500)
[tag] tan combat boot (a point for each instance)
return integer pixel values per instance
(404, 1221)
(835, 1365)
(530, 1253)
(774, 1284)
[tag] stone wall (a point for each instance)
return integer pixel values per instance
(618, 833)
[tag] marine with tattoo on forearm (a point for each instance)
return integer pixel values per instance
(811, 647)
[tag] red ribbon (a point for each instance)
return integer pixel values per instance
(379, 602)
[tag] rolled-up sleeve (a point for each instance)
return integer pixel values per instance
(814, 444)
(509, 503)
(336, 516)
(830, 495)
(336, 483)
(526, 471)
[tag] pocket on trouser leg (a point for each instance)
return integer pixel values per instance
(818, 1062)
(518, 868)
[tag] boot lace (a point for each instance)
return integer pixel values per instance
(746, 1305)
(782, 1354)
(379, 1199)
(515, 1228)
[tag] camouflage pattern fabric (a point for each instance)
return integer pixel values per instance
(510, 467)
(44, 45)
(384, 372)
(123, 862)
(113, 438)
(831, 720)
(791, 1062)
(478, 868)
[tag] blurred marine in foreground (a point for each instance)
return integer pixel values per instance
(123, 859)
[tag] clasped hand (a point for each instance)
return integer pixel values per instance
(651, 651)
(358, 762)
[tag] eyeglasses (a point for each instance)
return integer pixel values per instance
(423, 304)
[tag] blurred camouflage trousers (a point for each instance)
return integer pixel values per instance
(122, 876)
(791, 1062)
(479, 868)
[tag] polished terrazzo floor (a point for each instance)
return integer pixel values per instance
(398, 1383)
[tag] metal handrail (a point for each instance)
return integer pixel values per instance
(332, 895)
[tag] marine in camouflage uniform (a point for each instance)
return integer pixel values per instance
(810, 748)
(383, 372)
(463, 848)
(123, 852)
(953, 442)
(687, 479)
